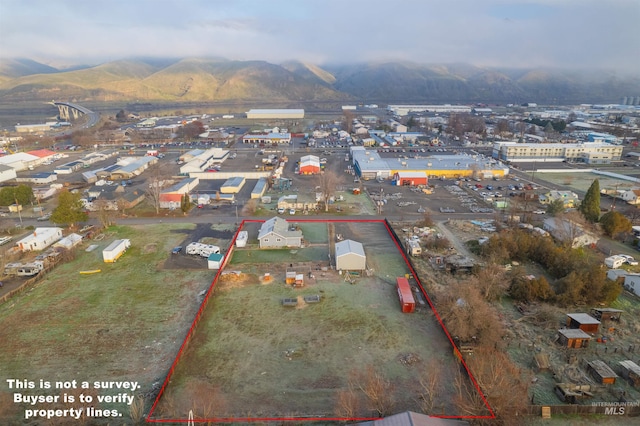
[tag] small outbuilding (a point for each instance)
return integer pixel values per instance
(584, 322)
(606, 314)
(630, 371)
(410, 178)
(309, 165)
(573, 338)
(601, 372)
(214, 261)
(350, 256)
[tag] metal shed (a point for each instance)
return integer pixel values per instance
(350, 256)
(214, 261)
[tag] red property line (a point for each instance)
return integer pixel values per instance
(300, 419)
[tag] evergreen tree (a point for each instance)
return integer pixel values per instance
(185, 203)
(70, 209)
(590, 207)
(555, 207)
(615, 223)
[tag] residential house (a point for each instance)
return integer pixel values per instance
(569, 232)
(631, 196)
(40, 239)
(276, 233)
(569, 199)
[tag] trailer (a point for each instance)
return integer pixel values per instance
(204, 250)
(407, 302)
(23, 269)
(114, 250)
(614, 262)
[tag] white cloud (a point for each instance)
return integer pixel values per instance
(570, 33)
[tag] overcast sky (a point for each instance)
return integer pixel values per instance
(535, 33)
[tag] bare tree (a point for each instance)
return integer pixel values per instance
(503, 384)
(376, 388)
(157, 182)
(105, 212)
(347, 403)
(328, 181)
(430, 383)
(492, 281)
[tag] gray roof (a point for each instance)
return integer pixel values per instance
(232, 182)
(278, 226)
(349, 246)
(583, 318)
(574, 333)
(409, 418)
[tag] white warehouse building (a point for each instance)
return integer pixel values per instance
(275, 113)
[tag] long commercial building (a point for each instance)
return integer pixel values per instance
(369, 165)
(587, 152)
(275, 113)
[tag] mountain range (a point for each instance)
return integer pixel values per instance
(217, 79)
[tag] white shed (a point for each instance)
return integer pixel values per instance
(214, 261)
(69, 241)
(350, 256)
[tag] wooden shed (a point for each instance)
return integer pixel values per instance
(407, 302)
(584, 322)
(600, 371)
(630, 371)
(573, 338)
(606, 314)
(290, 277)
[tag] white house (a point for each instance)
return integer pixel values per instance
(40, 239)
(632, 283)
(568, 231)
(631, 196)
(350, 256)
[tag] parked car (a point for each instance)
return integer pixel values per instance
(44, 217)
(281, 210)
(629, 259)
(176, 250)
(292, 211)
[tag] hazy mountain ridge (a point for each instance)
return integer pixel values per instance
(219, 79)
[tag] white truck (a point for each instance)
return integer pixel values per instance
(114, 250)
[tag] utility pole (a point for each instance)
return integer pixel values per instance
(19, 208)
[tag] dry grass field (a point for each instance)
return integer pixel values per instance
(353, 354)
(124, 323)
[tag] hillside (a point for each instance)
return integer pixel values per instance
(217, 79)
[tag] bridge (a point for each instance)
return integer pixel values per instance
(69, 112)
